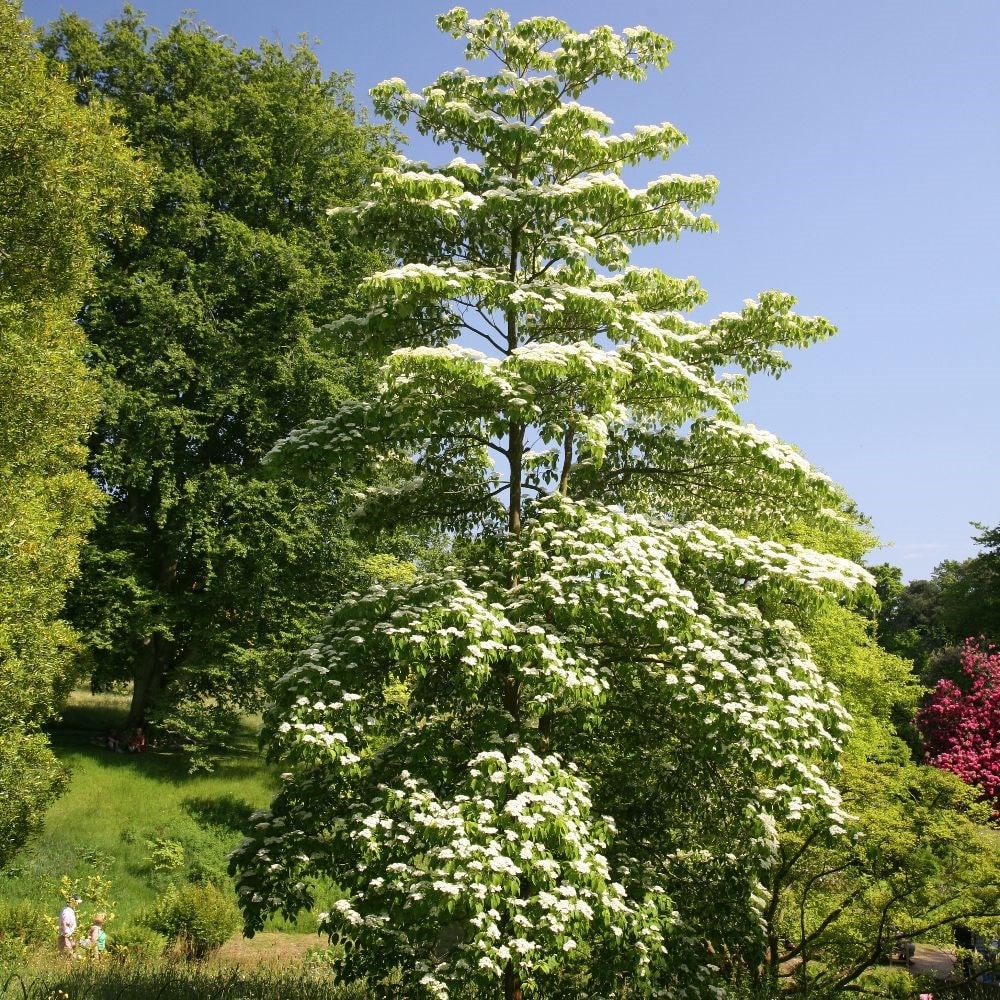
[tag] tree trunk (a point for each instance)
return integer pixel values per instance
(516, 457)
(158, 653)
(147, 676)
(511, 984)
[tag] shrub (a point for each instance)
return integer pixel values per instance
(166, 855)
(197, 917)
(896, 984)
(13, 955)
(960, 724)
(211, 871)
(136, 943)
(21, 921)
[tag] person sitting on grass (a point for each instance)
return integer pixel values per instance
(137, 744)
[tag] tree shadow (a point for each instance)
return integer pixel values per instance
(87, 718)
(225, 811)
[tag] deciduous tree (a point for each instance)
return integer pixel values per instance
(203, 577)
(929, 620)
(553, 767)
(970, 591)
(66, 178)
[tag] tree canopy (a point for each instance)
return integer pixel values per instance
(66, 181)
(970, 590)
(203, 576)
(554, 766)
(929, 620)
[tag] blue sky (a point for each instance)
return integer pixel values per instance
(858, 148)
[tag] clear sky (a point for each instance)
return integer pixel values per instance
(857, 143)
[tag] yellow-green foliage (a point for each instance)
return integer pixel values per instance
(198, 918)
(877, 688)
(65, 175)
(915, 855)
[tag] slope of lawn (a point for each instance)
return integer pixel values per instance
(137, 820)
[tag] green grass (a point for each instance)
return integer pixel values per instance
(124, 815)
(125, 983)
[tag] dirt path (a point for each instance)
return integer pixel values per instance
(932, 961)
(266, 949)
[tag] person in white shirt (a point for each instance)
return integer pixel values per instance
(67, 926)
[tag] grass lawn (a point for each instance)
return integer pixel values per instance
(137, 820)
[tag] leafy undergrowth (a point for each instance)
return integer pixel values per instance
(111, 982)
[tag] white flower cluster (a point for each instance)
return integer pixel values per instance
(513, 860)
(643, 583)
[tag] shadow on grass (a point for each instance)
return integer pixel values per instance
(87, 716)
(225, 811)
(167, 767)
(87, 720)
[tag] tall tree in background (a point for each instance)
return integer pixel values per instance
(66, 179)
(970, 590)
(928, 621)
(555, 767)
(909, 619)
(202, 576)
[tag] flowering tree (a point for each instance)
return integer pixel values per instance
(551, 767)
(960, 724)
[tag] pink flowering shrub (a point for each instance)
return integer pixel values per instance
(960, 724)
